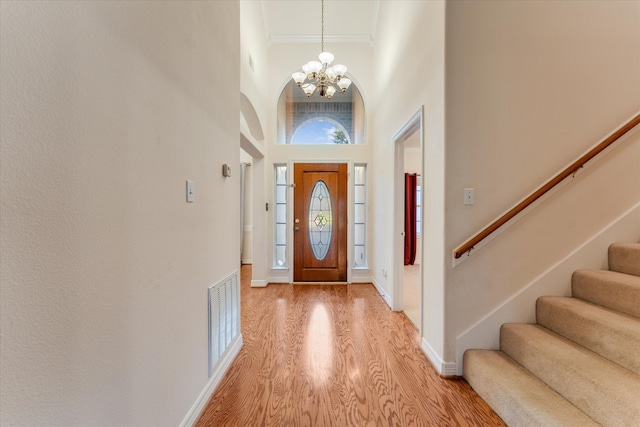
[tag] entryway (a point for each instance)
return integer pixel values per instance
(320, 222)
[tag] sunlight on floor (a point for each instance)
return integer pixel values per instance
(411, 291)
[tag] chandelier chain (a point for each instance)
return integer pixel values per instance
(320, 76)
(322, 37)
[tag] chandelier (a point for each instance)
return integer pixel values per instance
(320, 76)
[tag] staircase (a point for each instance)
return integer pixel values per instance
(579, 365)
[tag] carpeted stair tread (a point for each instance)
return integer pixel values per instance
(605, 391)
(617, 291)
(625, 258)
(612, 335)
(516, 395)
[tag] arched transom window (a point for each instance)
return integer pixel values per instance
(316, 120)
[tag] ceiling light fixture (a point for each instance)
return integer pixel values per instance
(319, 76)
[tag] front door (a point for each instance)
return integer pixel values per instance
(320, 222)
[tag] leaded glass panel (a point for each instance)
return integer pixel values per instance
(320, 220)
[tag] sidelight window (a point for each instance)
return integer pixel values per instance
(280, 240)
(360, 216)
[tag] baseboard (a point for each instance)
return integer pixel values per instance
(445, 369)
(259, 283)
(383, 294)
(218, 373)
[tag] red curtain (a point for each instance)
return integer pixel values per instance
(410, 182)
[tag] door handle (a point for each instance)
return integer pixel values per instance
(296, 228)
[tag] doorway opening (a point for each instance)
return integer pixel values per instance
(408, 219)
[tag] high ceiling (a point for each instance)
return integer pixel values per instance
(289, 21)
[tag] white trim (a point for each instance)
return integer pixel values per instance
(259, 283)
(443, 368)
(383, 294)
(361, 275)
(280, 275)
(374, 20)
(313, 38)
(221, 368)
(411, 126)
(265, 20)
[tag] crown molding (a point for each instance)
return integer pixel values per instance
(312, 38)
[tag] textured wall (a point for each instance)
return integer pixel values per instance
(106, 109)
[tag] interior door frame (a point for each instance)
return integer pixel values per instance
(290, 212)
(414, 124)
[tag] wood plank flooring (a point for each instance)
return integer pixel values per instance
(327, 355)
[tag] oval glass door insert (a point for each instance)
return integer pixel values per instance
(320, 220)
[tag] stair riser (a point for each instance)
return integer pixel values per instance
(616, 291)
(517, 396)
(572, 371)
(609, 334)
(625, 258)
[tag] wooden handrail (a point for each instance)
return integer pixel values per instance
(571, 169)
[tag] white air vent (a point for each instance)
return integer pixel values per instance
(224, 317)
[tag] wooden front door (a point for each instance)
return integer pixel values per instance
(320, 222)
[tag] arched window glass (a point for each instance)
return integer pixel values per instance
(317, 120)
(320, 130)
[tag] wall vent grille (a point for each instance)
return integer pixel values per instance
(224, 317)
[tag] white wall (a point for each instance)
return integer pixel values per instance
(409, 73)
(253, 85)
(530, 87)
(254, 60)
(107, 108)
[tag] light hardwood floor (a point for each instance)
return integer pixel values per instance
(334, 355)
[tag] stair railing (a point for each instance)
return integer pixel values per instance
(468, 246)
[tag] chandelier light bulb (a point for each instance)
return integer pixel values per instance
(309, 89)
(330, 91)
(326, 58)
(299, 77)
(314, 67)
(344, 84)
(339, 69)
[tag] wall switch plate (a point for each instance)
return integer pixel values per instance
(469, 196)
(190, 194)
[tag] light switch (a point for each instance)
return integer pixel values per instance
(469, 196)
(190, 194)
